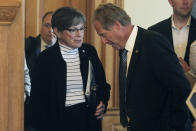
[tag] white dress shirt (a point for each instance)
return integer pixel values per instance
(130, 44)
(180, 38)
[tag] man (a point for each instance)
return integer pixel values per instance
(180, 29)
(154, 91)
(33, 46)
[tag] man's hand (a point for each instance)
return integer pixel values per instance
(100, 110)
(184, 65)
(194, 126)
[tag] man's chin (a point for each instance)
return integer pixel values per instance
(185, 14)
(52, 41)
(116, 47)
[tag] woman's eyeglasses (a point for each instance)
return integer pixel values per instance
(75, 30)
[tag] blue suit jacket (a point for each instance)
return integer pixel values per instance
(32, 50)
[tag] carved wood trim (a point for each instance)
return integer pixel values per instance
(8, 11)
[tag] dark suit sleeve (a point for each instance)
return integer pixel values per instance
(151, 28)
(39, 100)
(100, 78)
(31, 51)
(30, 45)
(27, 50)
(169, 73)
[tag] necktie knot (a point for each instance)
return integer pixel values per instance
(123, 58)
(123, 53)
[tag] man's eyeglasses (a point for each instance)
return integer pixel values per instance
(47, 25)
(75, 30)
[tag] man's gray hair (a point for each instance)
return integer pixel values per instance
(108, 14)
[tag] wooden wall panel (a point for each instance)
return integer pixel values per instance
(31, 15)
(11, 65)
(79, 4)
(51, 5)
(111, 121)
(4, 79)
(94, 38)
(16, 71)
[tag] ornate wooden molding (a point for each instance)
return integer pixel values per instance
(8, 11)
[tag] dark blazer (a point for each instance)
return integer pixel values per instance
(156, 85)
(165, 28)
(32, 50)
(49, 85)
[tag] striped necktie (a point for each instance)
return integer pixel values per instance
(122, 86)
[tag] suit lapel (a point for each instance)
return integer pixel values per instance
(38, 45)
(192, 31)
(169, 33)
(166, 30)
(135, 55)
(191, 38)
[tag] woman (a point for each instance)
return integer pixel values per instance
(60, 78)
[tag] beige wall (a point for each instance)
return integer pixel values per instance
(147, 12)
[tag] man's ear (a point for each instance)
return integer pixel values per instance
(170, 2)
(118, 24)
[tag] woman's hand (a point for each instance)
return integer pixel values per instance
(100, 110)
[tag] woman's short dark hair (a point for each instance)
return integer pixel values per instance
(66, 17)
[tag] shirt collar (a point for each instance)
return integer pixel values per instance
(131, 41)
(43, 43)
(67, 48)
